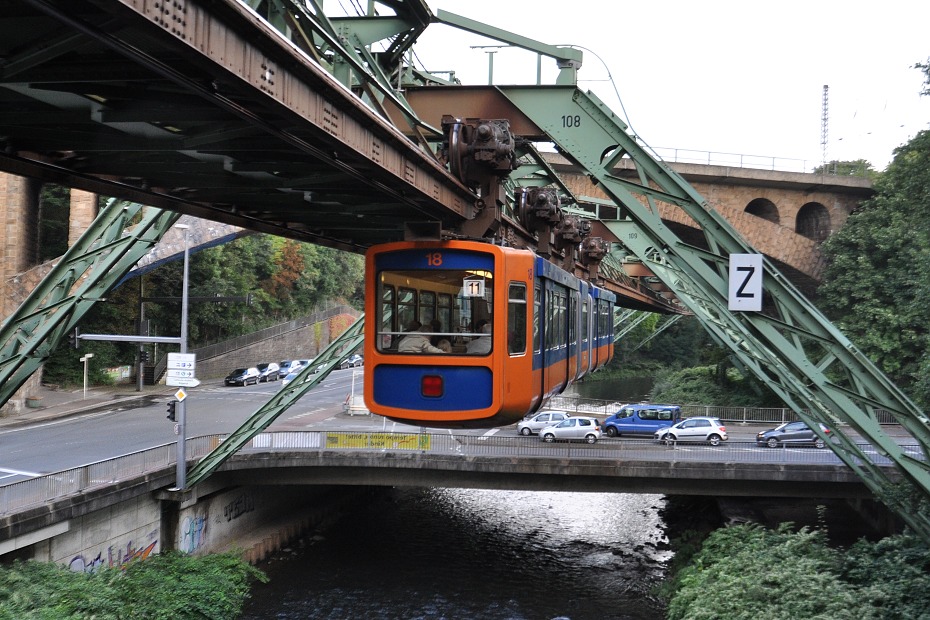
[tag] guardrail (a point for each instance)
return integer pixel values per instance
(736, 415)
(42, 490)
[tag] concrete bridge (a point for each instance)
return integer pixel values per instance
(79, 516)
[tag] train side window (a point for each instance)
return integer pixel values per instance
(387, 316)
(516, 319)
(406, 307)
(445, 310)
(427, 307)
(537, 311)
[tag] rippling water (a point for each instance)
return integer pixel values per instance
(464, 553)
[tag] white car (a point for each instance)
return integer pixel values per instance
(578, 427)
(536, 422)
(699, 428)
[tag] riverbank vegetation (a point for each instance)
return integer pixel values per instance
(168, 586)
(749, 572)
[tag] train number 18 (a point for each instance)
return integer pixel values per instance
(434, 259)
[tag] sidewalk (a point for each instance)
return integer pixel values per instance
(55, 404)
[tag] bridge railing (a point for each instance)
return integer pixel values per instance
(758, 162)
(736, 415)
(44, 490)
(47, 489)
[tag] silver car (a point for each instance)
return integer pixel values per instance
(537, 422)
(706, 429)
(588, 429)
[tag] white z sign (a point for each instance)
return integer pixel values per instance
(745, 282)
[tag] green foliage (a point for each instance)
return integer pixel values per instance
(285, 280)
(893, 575)
(877, 281)
(55, 206)
(753, 573)
(719, 384)
(170, 586)
(856, 168)
(749, 572)
(925, 68)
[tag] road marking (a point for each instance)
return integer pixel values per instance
(16, 472)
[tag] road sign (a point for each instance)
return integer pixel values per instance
(182, 361)
(182, 370)
(180, 395)
(182, 382)
(745, 282)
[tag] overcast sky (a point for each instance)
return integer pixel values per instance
(725, 76)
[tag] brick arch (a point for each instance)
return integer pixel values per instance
(764, 208)
(813, 221)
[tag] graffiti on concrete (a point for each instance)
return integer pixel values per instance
(115, 556)
(238, 507)
(193, 533)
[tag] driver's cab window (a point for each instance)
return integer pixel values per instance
(453, 307)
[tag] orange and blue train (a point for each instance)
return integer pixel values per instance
(468, 334)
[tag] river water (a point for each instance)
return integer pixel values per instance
(405, 553)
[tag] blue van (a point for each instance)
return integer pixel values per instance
(641, 419)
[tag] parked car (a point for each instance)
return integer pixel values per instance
(641, 419)
(792, 433)
(242, 376)
(290, 377)
(538, 421)
(289, 366)
(578, 427)
(699, 428)
(284, 368)
(268, 371)
(353, 361)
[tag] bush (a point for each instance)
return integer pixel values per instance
(169, 586)
(748, 572)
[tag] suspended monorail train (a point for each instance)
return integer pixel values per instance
(468, 334)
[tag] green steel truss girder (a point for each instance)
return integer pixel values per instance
(668, 322)
(350, 40)
(790, 346)
(305, 381)
(626, 329)
(104, 254)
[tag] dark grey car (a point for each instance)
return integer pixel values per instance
(792, 434)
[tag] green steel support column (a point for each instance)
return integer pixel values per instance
(790, 346)
(348, 341)
(104, 254)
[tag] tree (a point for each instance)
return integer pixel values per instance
(877, 282)
(857, 168)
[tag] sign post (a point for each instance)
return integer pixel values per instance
(187, 362)
(85, 359)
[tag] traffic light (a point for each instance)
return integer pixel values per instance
(74, 338)
(144, 356)
(172, 404)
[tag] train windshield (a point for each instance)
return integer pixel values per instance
(448, 310)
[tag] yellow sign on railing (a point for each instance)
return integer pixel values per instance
(388, 441)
